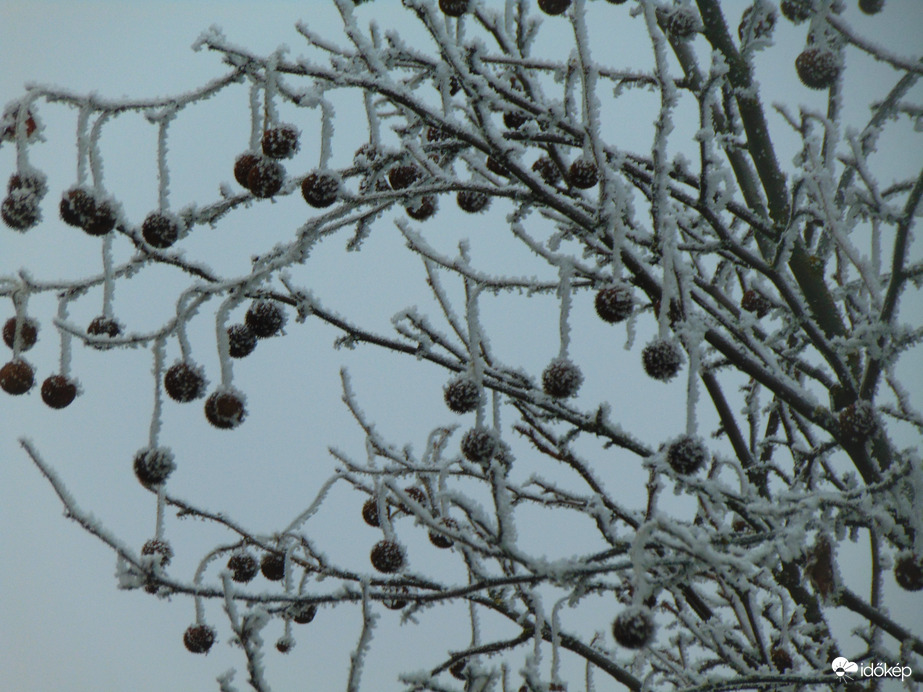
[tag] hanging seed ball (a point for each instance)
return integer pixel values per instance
(472, 201)
(184, 382)
(16, 377)
(20, 210)
(199, 638)
(414, 494)
(284, 645)
(797, 11)
(817, 67)
(77, 205)
(662, 359)
(457, 669)
(370, 512)
(547, 169)
(280, 142)
(857, 421)
(395, 599)
(58, 391)
(762, 28)
(614, 304)
(680, 23)
(153, 466)
(781, 659)
(514, 120)
(28, 183)
(561, 379)
(908, 572)
(265, 318)
(243, 567)
(402, 177)
(265, 177)
(633, 628)
(160, 548)
(494, 166)
(478, 445)
(442, 541)
(453, 8)
(272, 566)
(687, 455)
(461, 395)
(320, 190)
(242, 167)
(103, 326)
(365, 155)
(9, 122)
(101, 221)
(387, 556)
(755, 302)
(28, 333)
(160, 230)
(241, 341)
(225, 409)
(871, 6)
(583, 174)
(421, 208)
(303, 613)
(553, 7)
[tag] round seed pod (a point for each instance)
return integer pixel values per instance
(370, 512)
(153, 465)
(243, 567)
(634, 628)
(16, 377)
(58, 391)
(755, 302)
(781, 659)
(561, 379)
(472, 201)
(908, 572)
(320, 190)
(797, 11)
(687, 455)
(421, 208)
(453, 8)
(225, 409)
(614, 304)
(547, 170)
(680, 23)
(514, 119)
(265, 178)
(265, 318)
(395, 599)
(414, 494)
(817, 68)
(462, 395)
(762, 26)
(199, 638)
(103, 326)
(440, 540)
(34, 183)
(101, 221)
(662, 359)
(583, 174)
(387, 556)
(857, 421)
(404, 176)
(284, 645)
(160, 230)
(28, 333)
(184, 381)
(241, 341)
(20, 210)
(553, 7)
(871, 6)
(366, 155)
(302, 613)
(160, 549)
(494, 166)
(479, 445)
(272, 565)
(242, 167)
(280, 142)
(77, 207)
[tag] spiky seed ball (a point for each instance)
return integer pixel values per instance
(320, 190)
(678, 22)
(284, 645)
(547, 170)
(241, 341)
(395, 599)
(272, 565)
(553, 7)
(17, 377)
(687, 455)
(280, 142)
(478, 445)
(495, 166)
(225, 409)
(199, 638)
(303, 613)
(77, 207)
(153, 465)
(387, 556)
(762, 27)
(871, 6)
(402, 177)
(28, 334)
(441, 540)
(561, 379)
(817, 67)
(634, 628)
(583, 174)
(158, 548)
(421, 208)
(908, 572)
(514, 120)
(472, 201)
(58, 391)
(265, 177)
(857, 421)
(265, 318)
(103, 326)
(462, 395)
(365, 155)
(781, 659)
(453, 8)
(755, 302)
(242, 167)
(184, 382)
(243, 567)
(34, 183)
(160, 230)
(101, 221)
(797, 11)
(370, 512)
(614, 304)
(20, 210)
(662, 359)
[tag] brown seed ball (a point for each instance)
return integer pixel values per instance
(553, 7)
(265, 178)
(462, 395)
(547, 170)
(320, 190)
(762, 26)
(422, 208)
(457, 669)
(77, 207)
(28, 333)
(241, 341)
(159, 549)
(614, 304)
(755, 302)
(402, 177)
(453, 8)
(662, 359)
(478, 445)
(16, 377)
(153, 466)
(857, 421)
(678, 22)
(160, 230)
(101, 221)
(58, 391)
(583, 174)
(561, 379)
(687, 455)
(514, 120)
(634, 628)
(440, 540)
(817, 68)
(472, 201)
(303, 613)
(387, 556)
(272, 565)
(242, 167)
(103, 326)
(495, 166)
(365, 155)
(781, 659)
(199, 638)
(243, 567)
(797, 11)
(225, 409)
(20, 210)
(284, 645)
(280, 142)
(265, 318)
(370, 512)
(395, 599)
(184, 382)
(871, 6)
(908, 572)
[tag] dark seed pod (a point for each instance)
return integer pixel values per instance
(494, 166)
(402, 177)
(634, 628)
(908, 572)
(225, 409)
(28, 333)
(687, 455)
(781, 659)
(396, 599)
(762, 26)
(184, 382)
(284, 645)
(77, 207)
(16, 377)
(265, 318)
(241, 341)
(817, 68)
(755, 302)
(472, 201)
(820, 567)
(553, 7)
(453, 8)
(479, 445)
(243, 567)
(265, 177)
(387, 556)
(583, 174)
(514, 120)
(797, 11)
(199, 638)
(462, 395)
(280, 142)
(561, 379)
(303, 613)
(440, 540)
(547, 170)
(103, 326)
(153, 466)
(614, 304)
(457, 670)
(421, 208)
(58, 391)
(101, 221)
(320, 190)
(857, 421)
(159, 549)
(20, 210)
(370, 512)
(242, 167)
(680, 23)
(414, 494)
(871, 6)
(160, 230)
(662, 359)
(272, 565)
